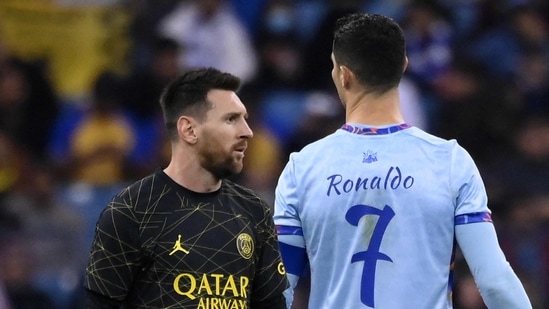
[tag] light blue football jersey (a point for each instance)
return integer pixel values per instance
(376, 208)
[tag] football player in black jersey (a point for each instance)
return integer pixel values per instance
(185, 236)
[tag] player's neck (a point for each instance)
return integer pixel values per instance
(192, 176)
(374, 110)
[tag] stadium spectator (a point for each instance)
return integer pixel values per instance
(212, 35)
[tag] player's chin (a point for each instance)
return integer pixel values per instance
(238, 157)
(237, 166)
(227, 170)
(234, 164)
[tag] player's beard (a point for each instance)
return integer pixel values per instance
(220, 163)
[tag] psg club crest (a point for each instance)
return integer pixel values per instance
(245, 245)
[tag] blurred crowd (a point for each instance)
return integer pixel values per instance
(478, 73)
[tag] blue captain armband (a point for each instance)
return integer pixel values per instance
(289, 230)
(292, 249)
(473, 218)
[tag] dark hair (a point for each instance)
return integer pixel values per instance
(187, 94)
(373, 47)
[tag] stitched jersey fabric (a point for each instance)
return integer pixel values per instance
(159, 245)
(376, 210)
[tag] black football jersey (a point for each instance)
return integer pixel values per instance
(159, 245)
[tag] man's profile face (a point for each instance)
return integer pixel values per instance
(223, 135)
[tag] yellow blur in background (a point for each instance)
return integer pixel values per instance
(76, 42)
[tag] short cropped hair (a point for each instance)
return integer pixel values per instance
(187, 95)
(373, 47)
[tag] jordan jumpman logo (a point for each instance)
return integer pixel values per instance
(177, 246)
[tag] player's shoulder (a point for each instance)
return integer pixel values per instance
(148, 182)
(413, 134)
(238, 190)
(142, 190)
(318, 146)
(247, 198)
(449, 148)
(422, 136)
(427, 137)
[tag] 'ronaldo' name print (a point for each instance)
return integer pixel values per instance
(392, 180)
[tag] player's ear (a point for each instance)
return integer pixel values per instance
(345, 76)
(186, 129)
(405, 66)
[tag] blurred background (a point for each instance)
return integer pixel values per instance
(80, 119)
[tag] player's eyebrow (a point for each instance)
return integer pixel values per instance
(237, 114)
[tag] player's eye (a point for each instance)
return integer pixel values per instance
(232, 118)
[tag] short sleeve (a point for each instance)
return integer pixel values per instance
(467, 184)
(286, 197)
(115, 257)
(270, 279)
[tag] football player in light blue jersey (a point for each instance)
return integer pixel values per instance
(375, 209)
